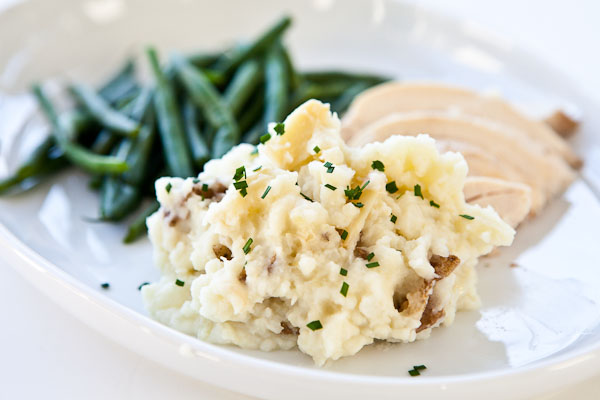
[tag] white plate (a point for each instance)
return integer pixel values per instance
(539, 325)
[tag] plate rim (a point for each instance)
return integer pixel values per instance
(48, 277)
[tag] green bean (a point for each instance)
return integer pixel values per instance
(77, 154)
(203, 60)
(170, 126)
(343, 102)
(44, 160)
(228, 64)
(138, 226)
(103, 113)
(246, 78)
(276, 86)
(324, 77)
(213, 106)
(252, 114)
(139, 154)
(104, 142)
(119, 84)
(295, 78)
(195, 139)
(117, 199)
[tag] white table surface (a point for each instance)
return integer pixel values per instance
(46, 353)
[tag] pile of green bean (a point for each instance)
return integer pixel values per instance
(126, 134)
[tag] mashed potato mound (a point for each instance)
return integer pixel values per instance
(326, 250)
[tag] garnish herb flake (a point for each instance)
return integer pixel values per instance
(257, 168)
(306, 197)
(434, 204)
(168, 187)
(343, 271)
(266, 192)
(205, 187)
(328, 186)
(195, 181)
(317, 149)
(179, 283)
(414, 372)
(239, 173)
(417, 191)
(279, 128)
(419, 367)
(370, 256)
(315, 325)
(105, 285)
(393, 218)
(142, 285)
(240, 185)
(465, 216)
(373, 264)
(358, 205)
(247, 247)
(378, 165)
(344, 289)
(344, 234)
(265, 138)
(391, 187)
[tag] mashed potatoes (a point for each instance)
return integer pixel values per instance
(318, 245)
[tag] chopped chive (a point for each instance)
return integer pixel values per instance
(315, 325)
(254, 152)
(343, 271)
(370, 256)
(279, 128)
(142, 285)
(330, 170)
(465, 216)
(205, 187)
(195, 181)
(247, 247)
(317, 149)
(393, 219)
(434, 204)
(417, 191)
(344, 234)
(306, 197)
(344, 289)
(179, 283)
(239, 172)
(266, 192)
(378, 165)
(329, 167)
(327, 164)
(373, 264)
(328, 186)
(364, 185)
(168, 187)
(419, 367)
(414, 372)
(257, 168)
(358, 205)
(265, 138)
(391, 187)
(105, 285)
(243, 192)
(240, 185)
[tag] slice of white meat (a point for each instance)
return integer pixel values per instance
(547, 175)
(394, 97)
(511, 200)
(481, 162)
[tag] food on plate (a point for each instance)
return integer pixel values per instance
(562, 123)
(128, 133)
(306, 241)
(496, 140)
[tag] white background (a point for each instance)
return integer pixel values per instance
(46, 353)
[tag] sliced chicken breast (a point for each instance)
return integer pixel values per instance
(546, 174)
(511, 200)
(396, 97)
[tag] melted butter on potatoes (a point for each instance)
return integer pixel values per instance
(300, 260)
